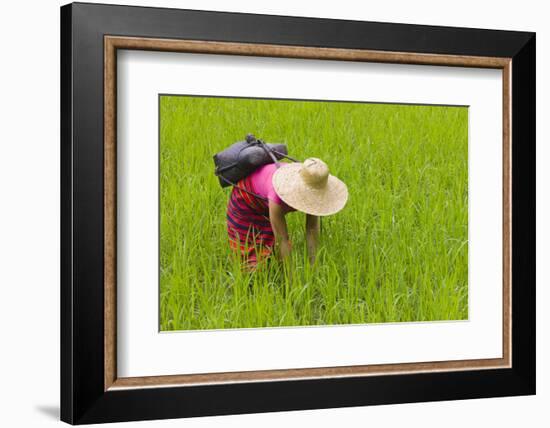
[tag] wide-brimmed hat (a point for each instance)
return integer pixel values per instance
(308, 187)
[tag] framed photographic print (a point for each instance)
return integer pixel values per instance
(265, 213)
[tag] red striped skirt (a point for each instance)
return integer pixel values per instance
(248, 226)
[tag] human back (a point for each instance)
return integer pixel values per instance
(261, 180)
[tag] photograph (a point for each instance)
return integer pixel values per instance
(291, 212)
(264, 212)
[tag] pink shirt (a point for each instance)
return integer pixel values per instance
(261, 180)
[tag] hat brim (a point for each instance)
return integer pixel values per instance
(292, 189)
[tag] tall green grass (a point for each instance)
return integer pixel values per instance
(397, 252)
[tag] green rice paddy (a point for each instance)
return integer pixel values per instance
(397, 252)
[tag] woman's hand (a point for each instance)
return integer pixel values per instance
(285, 248)
(312, 236)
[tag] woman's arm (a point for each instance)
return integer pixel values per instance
(278, 223)
(312, 236)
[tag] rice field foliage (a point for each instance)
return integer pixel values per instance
(398, 251)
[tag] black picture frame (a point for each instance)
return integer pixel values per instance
(83, 398)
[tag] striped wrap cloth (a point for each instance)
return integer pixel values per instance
(248, 226)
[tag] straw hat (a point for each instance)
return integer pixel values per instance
(308, 187)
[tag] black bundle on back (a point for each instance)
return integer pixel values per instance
(242, 158)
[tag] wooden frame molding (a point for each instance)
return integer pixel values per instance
(113, 43)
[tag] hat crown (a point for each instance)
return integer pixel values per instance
(314, 172)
